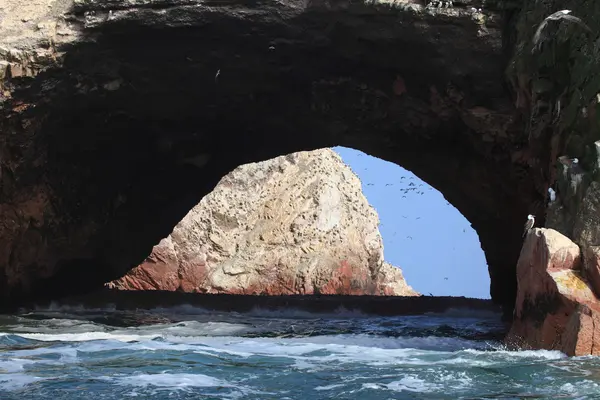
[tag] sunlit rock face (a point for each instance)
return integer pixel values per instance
(556, 308)
(296, 224)
(117, 118)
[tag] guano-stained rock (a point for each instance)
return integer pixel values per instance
(296, 224)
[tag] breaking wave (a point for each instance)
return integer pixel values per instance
(189, 352)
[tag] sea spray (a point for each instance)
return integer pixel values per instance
(187, 352)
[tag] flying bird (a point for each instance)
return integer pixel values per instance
(557, 16)
(529, 224)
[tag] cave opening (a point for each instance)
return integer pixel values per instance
(108, 149)
(213, 248)
(423, 234)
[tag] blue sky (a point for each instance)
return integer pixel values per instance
(422, 234)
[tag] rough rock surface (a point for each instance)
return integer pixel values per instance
(557, 85)
(109, 109)
(555, 308)
(296, 224)
(112, 112)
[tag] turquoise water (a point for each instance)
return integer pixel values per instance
(190, 353)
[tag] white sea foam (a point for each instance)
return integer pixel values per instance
(305, 353)
(88, 332)
(184, 382)
(582, 386)
(329, 387)
(395, 366)
(194, 328)
(347, 348)
(431, 383)
(322, 351)
(82, 337)
(533, 354)
(413, 384)
(172, 381)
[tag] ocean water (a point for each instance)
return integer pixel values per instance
(191, 353)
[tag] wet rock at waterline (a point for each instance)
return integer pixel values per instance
(296, 224)
(556, 308)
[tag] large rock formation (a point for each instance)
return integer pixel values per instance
(558, 297)
(108, 110)
(296, 224)
(556, 78)
(118, 117)
(105, 107)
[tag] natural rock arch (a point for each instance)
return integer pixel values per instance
(130, 114)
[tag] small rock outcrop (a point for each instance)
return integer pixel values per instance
(556, 308)
(295, 224)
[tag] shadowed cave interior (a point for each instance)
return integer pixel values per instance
(136, 126)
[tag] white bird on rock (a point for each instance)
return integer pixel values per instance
(576, 168)
(570, 164)
(552, 194)
(529, 224)
(557, 16)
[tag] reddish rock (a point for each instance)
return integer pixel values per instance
(555, 308)
(297, 224)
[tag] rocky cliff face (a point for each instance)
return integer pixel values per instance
(557, 83)
(116, 111)
(110, 109)
(558, 304)
(296, 224)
